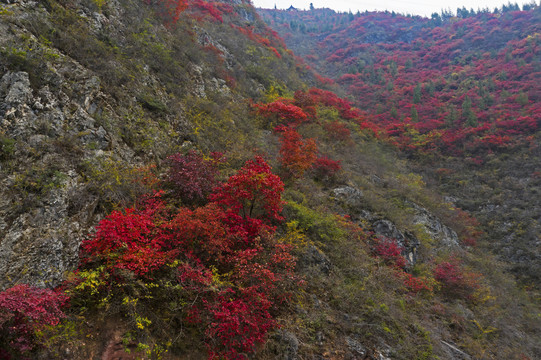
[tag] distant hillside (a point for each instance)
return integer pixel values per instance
(459, 93)
(457, 84)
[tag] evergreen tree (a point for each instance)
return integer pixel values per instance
(409, 64)
(468, 115)
(452, 115)
(414, 114)
(522, 99)
(417, 94)
(394, 113)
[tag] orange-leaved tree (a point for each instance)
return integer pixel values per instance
(169, 10)
(296, 154)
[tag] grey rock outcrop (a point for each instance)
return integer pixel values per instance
(39, 237)
(39, 248)
(205, 39)
(15, 88)
(351, 200)
(313, 257)
(355, 346)
(352, 197)
(288, 345)
(385, 229)
(68, 117)
(434, 227)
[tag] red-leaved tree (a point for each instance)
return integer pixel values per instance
(455, 280)
(192, 176)
(252, 197)
(169, 10)
(296, 155)
(26, 311)
(221, 260)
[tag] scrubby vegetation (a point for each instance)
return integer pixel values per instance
(235, 206)
(457, 93)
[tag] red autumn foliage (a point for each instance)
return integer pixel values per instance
(231, 237)
(169, 10)
(237, 323)
(391, 252)
(337, 130)
(270, 39)
(130, 240)
(328, 98)
(473, 91)
(306, 102)
(192, 176)
(201, 234)
(323, 80)
(273, 49)
(455, 281)
(254, 192)
(325, 168)
(414, 284)
(282, 112)
(210, 9)
(239, 319)
(296, 154)
(25, 311)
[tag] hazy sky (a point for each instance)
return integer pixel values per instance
(415, 7)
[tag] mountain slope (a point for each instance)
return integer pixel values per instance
(179, 187)
(458, 93)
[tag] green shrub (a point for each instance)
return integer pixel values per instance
(7, 147)
(320, 226)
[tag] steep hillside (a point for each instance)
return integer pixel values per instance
(460, 94)
(89, 94)
(176, 183)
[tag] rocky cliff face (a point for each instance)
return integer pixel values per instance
(53, 127)
(74, 117)
(438, 233)
(41, 227)
(91, 91)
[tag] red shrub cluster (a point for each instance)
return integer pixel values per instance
(391, 252)
(306, 103)
(337, 131)
(323, 80)
(193, 176)
(272, 41)
(325, 168)
(169, 10)
(26, 311)
(296, 155)
(328, 98)
(455, 281)
(130, 240)
(282, 112)
(414, 284)
(210, 9)
(223, 255)
(237, 324)
(303, 108)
